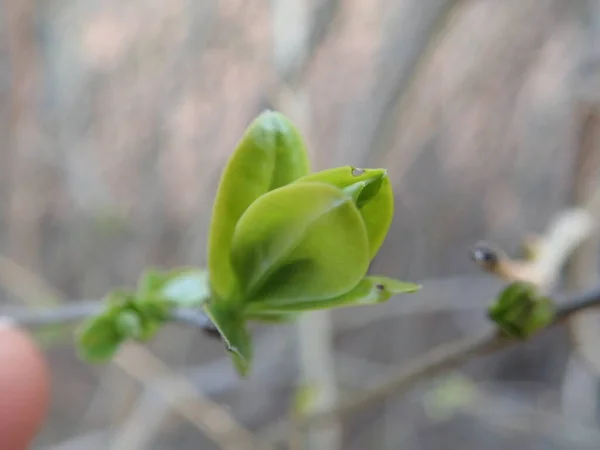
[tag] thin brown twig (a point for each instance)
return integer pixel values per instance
(432, 363)
(561, 237)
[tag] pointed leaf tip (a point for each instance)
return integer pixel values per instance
(400, 287)
(371, 290)
(240, 362)
(235, 335)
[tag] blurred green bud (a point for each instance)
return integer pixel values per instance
(520, 311)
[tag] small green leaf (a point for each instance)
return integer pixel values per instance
(271, 154)
(233, 330)
(142, 320)
(98, 339)
(373, 194)
(187, 288)
(129, 324)
(156, 309)
(302, 242)
(150, 282)
(370, 291)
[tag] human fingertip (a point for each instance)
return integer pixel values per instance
(24, 387)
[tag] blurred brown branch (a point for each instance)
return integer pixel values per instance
(434, 362)
(563, 235)
(424, 36)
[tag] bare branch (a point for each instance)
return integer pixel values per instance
(563, 235)
(53, 315)
(434, 362)
(69, 313)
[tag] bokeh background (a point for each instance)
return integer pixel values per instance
(117, 117)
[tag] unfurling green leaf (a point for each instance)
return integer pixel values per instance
(232, 328)
(520, 311)
(129, 324)
(370, 291)
(125, 316)
(301, 242)
(98, 338)
(271, 154)
(372, 192)
(187, 288)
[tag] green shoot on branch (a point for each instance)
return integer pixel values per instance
(283, 240)
(520, 310)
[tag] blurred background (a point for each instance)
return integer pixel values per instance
(117, 118)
